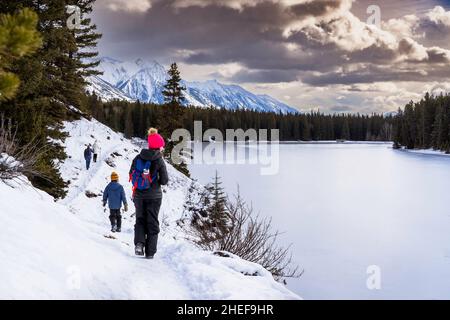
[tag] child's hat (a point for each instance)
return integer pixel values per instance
(114, 176)
(155, 141)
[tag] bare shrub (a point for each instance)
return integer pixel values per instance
(250, 237)
(17, 161)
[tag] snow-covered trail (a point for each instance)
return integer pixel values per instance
(145, 279)
(65, 250)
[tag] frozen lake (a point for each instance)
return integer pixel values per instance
(346, 208)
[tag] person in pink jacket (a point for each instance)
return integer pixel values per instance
(155, 141)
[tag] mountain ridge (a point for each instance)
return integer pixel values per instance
(144, 81)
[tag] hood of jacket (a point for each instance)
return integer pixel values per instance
(150, 154)
(114, 185)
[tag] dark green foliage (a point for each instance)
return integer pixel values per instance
(174, 97)
(314, 126)
(129, 130)
(86, 38)
(210, 214)
(18, 37)
(173, 90)
(37, 120)
(424, 125)
(52, 80)
(217, 210)
(345, 130)
(196, 204)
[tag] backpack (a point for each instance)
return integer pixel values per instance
(140, 177)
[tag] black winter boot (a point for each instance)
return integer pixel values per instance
(139, 250)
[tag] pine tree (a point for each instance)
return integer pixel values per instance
(410, 125)
(82, 53)
(173, 90)
(52, 79)
(87, 39)
(196, 204)
(79, 61)
(306, 130)
(437, 133)
(217, 210)
(345, 130)
(140, 127)
(413, 127)
(18, 37)
(173, 95)
(96, 107)
(129, 129)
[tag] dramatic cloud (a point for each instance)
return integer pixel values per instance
(129, 5)
(439, 17)
(320, 43)
(431, 28)
(240, 4)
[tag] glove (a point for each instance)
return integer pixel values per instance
(126, 207)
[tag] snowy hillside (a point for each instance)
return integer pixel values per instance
(144, 81)
(105, 90)
(64, 250)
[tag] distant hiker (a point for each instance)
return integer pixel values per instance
(155, 141)
(97, 150)
(148, 172)
(114, 195)
(88, 156)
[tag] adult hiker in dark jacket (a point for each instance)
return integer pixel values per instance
(88, 156)
(114, 195)
(148, 173)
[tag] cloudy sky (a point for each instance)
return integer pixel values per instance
(332, 55)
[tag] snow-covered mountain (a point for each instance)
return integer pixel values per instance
(105, 90)
(64, 250)
(144, 81)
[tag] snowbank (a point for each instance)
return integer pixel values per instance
(64, 250)
(8, 161)
(426, 152)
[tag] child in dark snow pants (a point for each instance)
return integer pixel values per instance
(148, 200)
(115, 217)
(114, 194)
